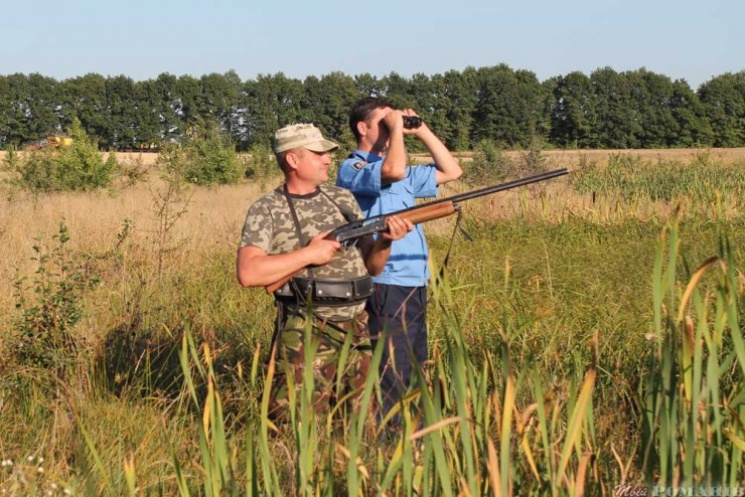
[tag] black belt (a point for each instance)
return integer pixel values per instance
(327, 292)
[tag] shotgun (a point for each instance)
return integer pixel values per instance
(351, 232)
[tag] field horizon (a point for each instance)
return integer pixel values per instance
(561, 158)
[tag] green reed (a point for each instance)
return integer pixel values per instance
(694, 416)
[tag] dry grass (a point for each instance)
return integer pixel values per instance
(555, 158)
(214, 216)
(211, 223)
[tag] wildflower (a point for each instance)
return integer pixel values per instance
(40, 469)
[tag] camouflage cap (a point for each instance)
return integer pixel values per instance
(302, 135)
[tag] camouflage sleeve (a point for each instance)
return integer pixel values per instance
(258, 228)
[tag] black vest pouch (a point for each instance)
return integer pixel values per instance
(358, 289)
(328, 292)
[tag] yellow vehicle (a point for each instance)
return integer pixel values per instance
(52, 140)
(59, 140)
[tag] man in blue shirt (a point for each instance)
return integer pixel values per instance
(379, 177)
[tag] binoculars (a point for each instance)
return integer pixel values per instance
(412, 122)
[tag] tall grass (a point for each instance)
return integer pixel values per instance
(573, 348)
(466, 412)
(701, 180)
(695, 394)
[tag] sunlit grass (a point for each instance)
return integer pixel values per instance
(577, 343)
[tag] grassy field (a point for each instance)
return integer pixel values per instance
(587, 337)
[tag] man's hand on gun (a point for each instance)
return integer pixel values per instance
(397, 228)
(321, 249)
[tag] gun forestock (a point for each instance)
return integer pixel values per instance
(428, 212)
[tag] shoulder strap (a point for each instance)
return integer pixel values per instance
(300, 236)
(348, 216)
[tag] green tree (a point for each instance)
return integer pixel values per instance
(651, 98)
(167, 107)
(85, 98)
(271, 102)
(458, 102)
(6, 112)
(723, 98)
(28, 104)
(42, 105)
(509, 106)
(219, 100)
(616, 124)
(78, 166)
(186, 104)
(122, 106)
(426, 95)
(397, 89)
(434, 102)
(149, 118)
(326, 103)
(692, 128)
(368, 85)
(573, 113)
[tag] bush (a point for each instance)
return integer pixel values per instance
(45, 338)
(78, 166)
(488, 165)
(261, 163)
(210, 158)
(534, 162)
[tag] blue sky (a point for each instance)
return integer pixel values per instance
(682, 39)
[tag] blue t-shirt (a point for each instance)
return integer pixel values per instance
(360, 173)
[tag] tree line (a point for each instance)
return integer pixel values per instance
(510, 108)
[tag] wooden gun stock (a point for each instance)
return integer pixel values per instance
(416, 216)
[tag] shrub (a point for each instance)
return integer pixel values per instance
(488, 164)
(534, 162)
(45, 339)
(78, 166)
(210, 158)
(261, 162)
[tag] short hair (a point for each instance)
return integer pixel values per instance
(362, 110)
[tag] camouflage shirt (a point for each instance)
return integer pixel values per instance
(269, 226)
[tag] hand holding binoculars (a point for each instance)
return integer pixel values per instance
(412, 122)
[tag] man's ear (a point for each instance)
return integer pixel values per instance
(362, 128)
(292, 160)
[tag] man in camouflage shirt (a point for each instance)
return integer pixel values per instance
(285, 235)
